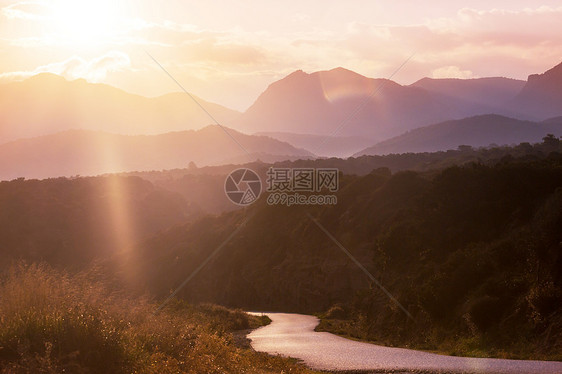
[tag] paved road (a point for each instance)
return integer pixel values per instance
(293, 335)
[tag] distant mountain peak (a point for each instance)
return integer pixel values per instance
(341, 70)
(46, 76)
(296, 73)
(553, 73)
(52, 77)
(342, 74)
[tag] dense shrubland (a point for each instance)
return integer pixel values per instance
(53, 322)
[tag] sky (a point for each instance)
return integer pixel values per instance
(229, 52)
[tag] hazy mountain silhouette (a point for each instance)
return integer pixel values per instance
(541, 97)
(320, 102)
(334, 146)
(47, 103)
(553, 120)
(87, 152)
(474, 131)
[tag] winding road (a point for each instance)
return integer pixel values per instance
(293, 335)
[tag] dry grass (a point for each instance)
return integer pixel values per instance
(52, 322)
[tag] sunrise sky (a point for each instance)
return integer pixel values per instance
(229, 52)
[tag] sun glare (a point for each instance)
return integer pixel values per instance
(85, 21)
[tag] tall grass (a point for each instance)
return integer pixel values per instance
(51, 322)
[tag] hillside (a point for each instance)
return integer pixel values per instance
(71, 222)
(82, 152)
(479, 131)
(47, 103)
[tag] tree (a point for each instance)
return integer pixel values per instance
(551, 140)
(465, 148)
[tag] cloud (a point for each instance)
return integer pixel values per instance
(493, 42)
(25, 10)
(499, 27)
(224, 53)
(94, 70)
(469, 37)
(452, 72)
(230, 48)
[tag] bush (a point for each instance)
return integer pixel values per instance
(337, 312)
(485, 312)
(544, 299)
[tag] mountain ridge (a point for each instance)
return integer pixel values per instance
(476, 131)
(88, 152)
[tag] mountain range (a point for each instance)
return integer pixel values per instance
(302, 105)
(324, 102)
(47, 103)
(329, 113)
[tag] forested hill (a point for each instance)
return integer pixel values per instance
(471, 252)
